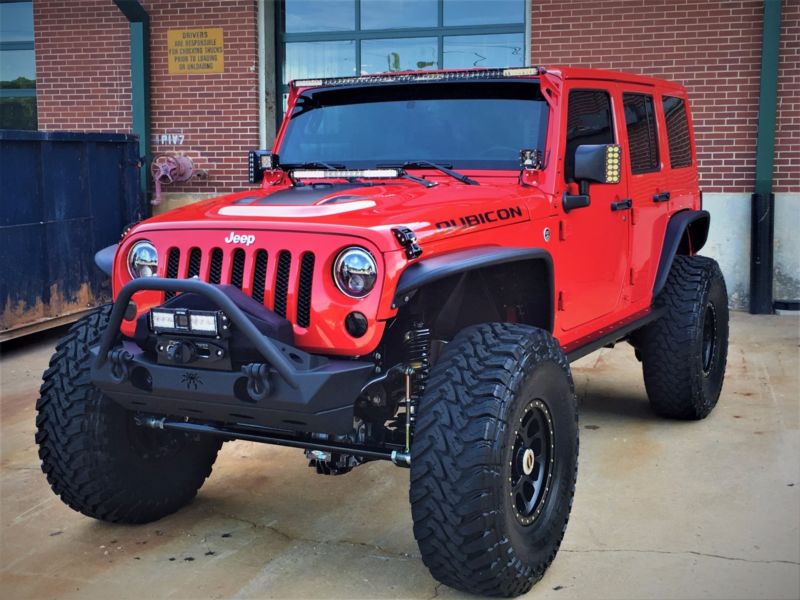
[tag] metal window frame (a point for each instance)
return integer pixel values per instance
(18, 45)
(357, 35)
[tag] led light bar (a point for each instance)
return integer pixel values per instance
(422, 76)
(346, 173)
(181, 320)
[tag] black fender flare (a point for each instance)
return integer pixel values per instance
(687, 232)
(104, 259)
(442, 266)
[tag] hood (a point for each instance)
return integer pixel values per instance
(369, 210)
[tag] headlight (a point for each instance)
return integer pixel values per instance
(143, 260)
(355, 272)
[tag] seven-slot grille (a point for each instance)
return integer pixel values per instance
(281, 280)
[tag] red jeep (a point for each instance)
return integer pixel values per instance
(426, 254)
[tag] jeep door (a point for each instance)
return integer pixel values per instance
(642, 167)
(592, 264)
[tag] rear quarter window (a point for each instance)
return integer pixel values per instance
(680, 147)
(640, 121)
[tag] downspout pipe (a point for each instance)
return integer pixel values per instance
(262, 76)
(139, 22)
(762, 216)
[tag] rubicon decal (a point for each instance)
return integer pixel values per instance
(235, 238)
(482, 218)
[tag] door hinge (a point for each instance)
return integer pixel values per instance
(560, 301)
(634, 212)
(632, 275)
(562, 231)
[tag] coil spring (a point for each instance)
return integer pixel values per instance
(418, 357)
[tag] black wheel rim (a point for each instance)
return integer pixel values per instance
(532, 460)
(709, 337)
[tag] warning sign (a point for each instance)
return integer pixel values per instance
(195, 51)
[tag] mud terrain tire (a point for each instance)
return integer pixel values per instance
(685, 351)
(477, 527)
(95, 457)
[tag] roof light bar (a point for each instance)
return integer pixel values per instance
(422, 76)
(345, 173)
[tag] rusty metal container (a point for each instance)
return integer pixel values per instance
(63, 196)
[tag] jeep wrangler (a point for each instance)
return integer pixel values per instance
(425, 255)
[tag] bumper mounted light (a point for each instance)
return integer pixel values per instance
(188, 322)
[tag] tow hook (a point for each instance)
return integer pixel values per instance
(120, 360)
(258, 386)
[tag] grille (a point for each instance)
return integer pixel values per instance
(260, 276)
(237, 270)
(304, 289)
(282, 282)
(194, 263)
(215, 269)
(173, 262)
(269, 282)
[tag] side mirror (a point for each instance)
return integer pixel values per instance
(259, 161)
(599, 163)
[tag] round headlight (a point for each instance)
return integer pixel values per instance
(143, 260)
(355, 272)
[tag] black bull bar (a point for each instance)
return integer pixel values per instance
(304, 392)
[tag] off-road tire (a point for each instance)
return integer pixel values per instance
(95, 457)
(464, 520)
(682, 374)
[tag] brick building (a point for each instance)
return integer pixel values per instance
(214, 114)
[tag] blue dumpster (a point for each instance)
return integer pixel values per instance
(63, 196)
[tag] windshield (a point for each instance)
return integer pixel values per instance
(475, 125)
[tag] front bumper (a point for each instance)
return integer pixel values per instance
(290, 390)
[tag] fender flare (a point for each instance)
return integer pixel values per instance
(686, 233)
(104, 259)
(442, 266)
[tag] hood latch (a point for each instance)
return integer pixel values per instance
(408, 240)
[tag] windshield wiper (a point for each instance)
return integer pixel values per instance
(426, 164)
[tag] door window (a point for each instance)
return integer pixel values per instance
(589, 121)
(640, 120)
(680, 147)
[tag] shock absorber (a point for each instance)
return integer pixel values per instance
(418, 351)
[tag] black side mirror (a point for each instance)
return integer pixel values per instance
(599, 163)
(259, 161)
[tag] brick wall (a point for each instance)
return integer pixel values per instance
(787, 136)
(83, 81)
(82, 66)
(713, 47)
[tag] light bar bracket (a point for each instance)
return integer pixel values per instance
(422, 76)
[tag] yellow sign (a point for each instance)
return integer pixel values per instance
(195, 51)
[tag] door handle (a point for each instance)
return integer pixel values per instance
(625, 204)
(662, 197)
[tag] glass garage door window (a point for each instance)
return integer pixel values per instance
(330, 38)
(17, 66)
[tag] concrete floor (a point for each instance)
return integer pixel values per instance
(663, 509)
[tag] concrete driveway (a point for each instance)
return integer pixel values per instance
(663, 509)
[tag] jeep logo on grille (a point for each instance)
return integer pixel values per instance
(235, 238)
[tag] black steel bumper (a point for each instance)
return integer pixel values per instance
(298, 391)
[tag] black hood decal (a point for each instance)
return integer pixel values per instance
(306, 195)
